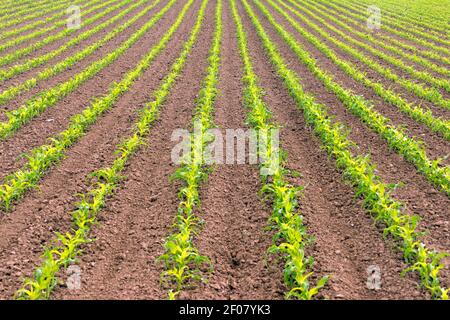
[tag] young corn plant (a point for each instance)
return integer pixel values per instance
(410, 148)
(360, 172)
(291, 236)
(44, 157)
(67, 247)
(183, 264)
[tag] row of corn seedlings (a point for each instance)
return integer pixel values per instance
(43, 31)
(410, 148)
(420, 90)
(68, 246)
(183, 264)
(49, 97)
(431, 54)
(291, 236)
(42, 158)
(317, 7)
(410, 22)
(360, 172)
(26, 85)
(426, 117)
(64, 34)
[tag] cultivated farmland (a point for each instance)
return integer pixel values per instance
(126, 161)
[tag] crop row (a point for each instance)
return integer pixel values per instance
(183, 263)
(107, 179)
(11, 7)
(417, 113)
(49, 97)
(431, 94)
(14, 8)
(290, 237)
(431, 54)
(373, 40)
(70, 61)
(360, 172)
(43, 31)
(16, 69)
(43, 157)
